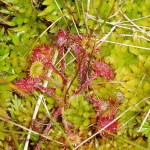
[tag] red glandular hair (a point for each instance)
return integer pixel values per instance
(42, 53)
(27, 85)
(104, 121)
(100, 107)
(104, 70)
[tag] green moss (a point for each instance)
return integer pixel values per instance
(23, 22)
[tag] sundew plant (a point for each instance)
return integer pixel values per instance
(74, 74)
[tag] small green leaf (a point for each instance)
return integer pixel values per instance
(2, 31)
(34, 137)
(47, 10)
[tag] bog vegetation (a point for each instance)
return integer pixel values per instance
(74, 74)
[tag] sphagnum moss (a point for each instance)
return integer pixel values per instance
(126, 50)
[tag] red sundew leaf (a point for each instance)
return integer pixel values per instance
(27, 84)
(77, 48)
(61, 40)
(104, 70)
(104, 121)
(44, 54)
(74, 42)
(61, 37)
(104, 116)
